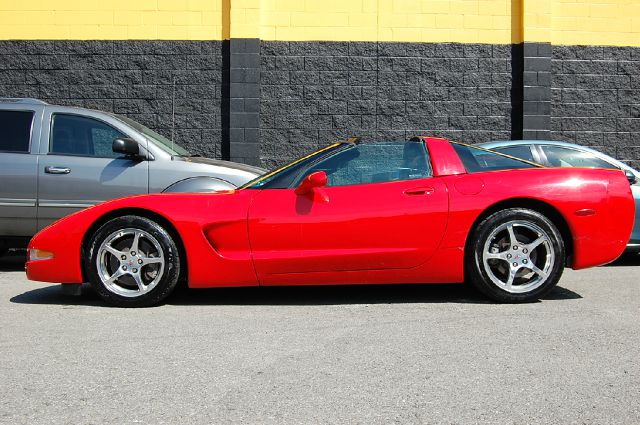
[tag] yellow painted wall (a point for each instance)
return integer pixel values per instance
(486, 21)
(536, 20)
(465, 21)
(595, 22)
(244, 18)
(588, 22)
(111, 19)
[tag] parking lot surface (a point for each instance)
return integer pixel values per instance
(383, 354)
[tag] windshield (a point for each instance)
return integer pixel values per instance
(162, 142)
(372, 162)
(289, 171)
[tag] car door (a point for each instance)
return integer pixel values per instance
(80, 169)
(19, 135)
(377, 212)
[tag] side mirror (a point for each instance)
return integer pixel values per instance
(312, 181)
(126, 146)
(631, 177)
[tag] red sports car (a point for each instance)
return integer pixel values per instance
(420, 211)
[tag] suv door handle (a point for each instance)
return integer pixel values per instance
(419, 191)
(57, 170)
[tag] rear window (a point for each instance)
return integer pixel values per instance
(15, 131)
(477, 160)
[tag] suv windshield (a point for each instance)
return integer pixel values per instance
(162, 142)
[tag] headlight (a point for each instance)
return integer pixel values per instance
(39, 254)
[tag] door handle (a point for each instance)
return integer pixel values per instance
(419, 191)
(57, 170)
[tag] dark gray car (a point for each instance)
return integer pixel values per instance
(56, 160)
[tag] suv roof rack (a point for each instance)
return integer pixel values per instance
(24, 100)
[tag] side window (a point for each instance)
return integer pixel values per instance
(520, 151)
(15, 131)
(76, 135)
(560, 156)
(478, 160)
(374, 163)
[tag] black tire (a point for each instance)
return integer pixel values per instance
(506, 271)
(138, 277)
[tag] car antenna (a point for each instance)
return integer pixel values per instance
(173, 109)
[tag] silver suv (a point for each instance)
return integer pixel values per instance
(55, 160)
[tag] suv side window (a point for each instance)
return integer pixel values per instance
(15, 131)
(374, 163)
(83, 136)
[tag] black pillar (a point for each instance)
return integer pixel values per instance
(536, 91)
(241, 101)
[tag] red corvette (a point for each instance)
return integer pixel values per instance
(422, 211)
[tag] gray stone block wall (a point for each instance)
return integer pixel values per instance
(243, 101)
(302, 95)
(313, 93)
(536, 90)
(595, 95)
(144, 80)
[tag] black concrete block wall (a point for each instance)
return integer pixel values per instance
(596, 98)
(242, 99)
(173, 87)
(313, 93)
(536, 90)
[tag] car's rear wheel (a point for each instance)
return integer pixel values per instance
(133, 262)
(518, 255)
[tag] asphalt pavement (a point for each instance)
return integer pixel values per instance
(408, 354)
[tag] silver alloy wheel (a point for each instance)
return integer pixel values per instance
(130, 262)
(518, 256)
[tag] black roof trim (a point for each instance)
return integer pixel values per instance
(23, 100)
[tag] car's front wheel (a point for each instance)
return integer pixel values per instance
(133, 262)
(516, 255)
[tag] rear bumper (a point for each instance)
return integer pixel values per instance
(606, 237)
(633, 247)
